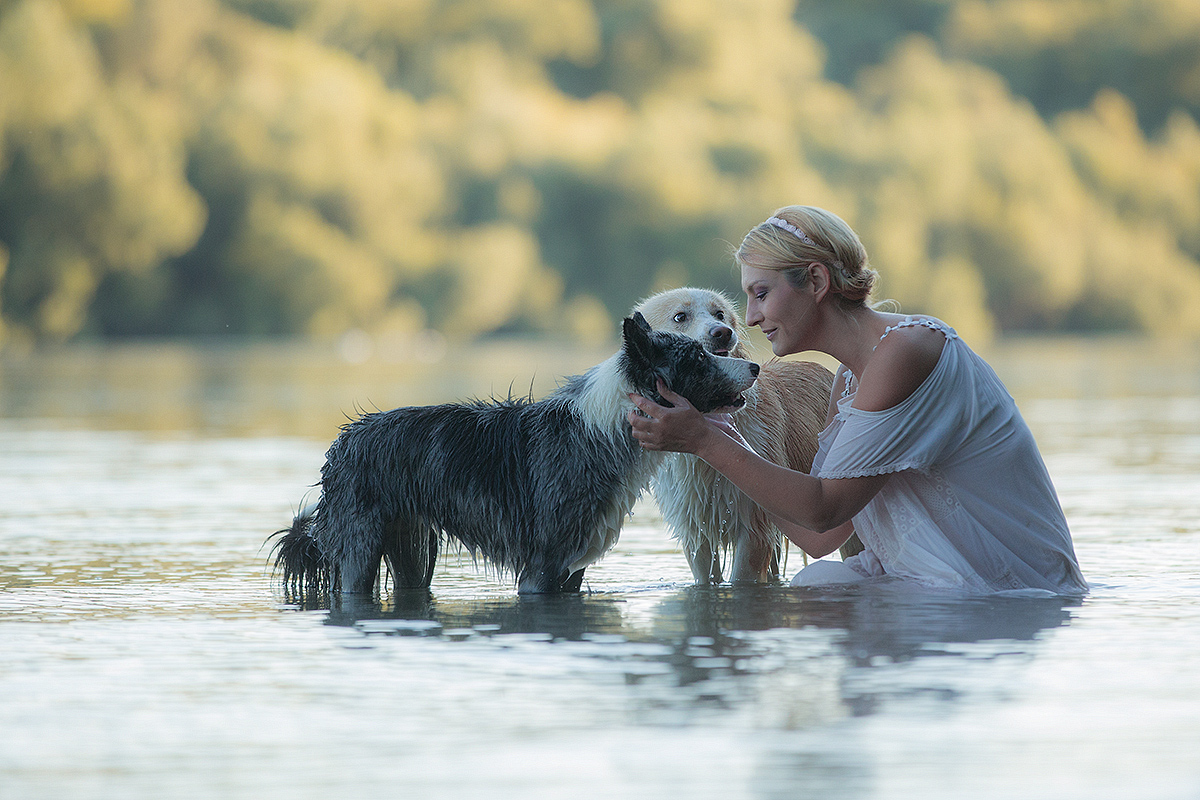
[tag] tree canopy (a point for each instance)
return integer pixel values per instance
(310, 167)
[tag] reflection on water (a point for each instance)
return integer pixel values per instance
(702, 634)
(875, 623)
(144, 653)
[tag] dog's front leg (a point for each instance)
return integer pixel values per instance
(359, 578)
(541, 581)
(755, 554)
(705, 564)
(574, 583)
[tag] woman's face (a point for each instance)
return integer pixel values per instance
(777, 308)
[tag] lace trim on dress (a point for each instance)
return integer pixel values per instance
(851, 385)
(927, 322)
(884, 469)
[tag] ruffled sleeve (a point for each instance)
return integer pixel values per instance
(916, 434)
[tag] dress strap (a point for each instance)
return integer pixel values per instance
(926, 322)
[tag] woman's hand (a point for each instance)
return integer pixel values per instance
(681, 429)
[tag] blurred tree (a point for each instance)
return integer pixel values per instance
(91, 172)
(1060, 53)
(320, 166)
(862, 33)
(1056, 53)
(715, 136)
(1144, 242)
(989, 199)
(320, 181)
(979, 212)
(1141, 179)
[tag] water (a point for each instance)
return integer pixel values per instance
(144, 653)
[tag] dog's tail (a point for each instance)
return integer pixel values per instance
(306, 573)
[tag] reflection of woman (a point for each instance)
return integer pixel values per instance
(925, 455)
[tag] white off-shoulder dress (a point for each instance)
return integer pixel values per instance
(969, 504)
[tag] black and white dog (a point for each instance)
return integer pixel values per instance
(539, 489)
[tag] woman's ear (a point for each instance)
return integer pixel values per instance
(819, 280)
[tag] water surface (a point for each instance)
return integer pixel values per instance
(145, 653)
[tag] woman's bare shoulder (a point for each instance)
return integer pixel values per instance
(901, 362)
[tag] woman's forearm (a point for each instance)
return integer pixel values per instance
(815, 543)
(800, 500)
(815, 512)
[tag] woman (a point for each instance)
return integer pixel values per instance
(924, 454)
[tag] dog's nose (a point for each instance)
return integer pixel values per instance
(754, 369)
(721, 334)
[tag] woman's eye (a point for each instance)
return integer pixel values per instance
(681, 317)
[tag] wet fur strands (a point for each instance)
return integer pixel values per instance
(785, 411)
(538, 489)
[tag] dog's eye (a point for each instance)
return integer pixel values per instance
(720, 315)
(681, 317)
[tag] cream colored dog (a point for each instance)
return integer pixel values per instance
(784, 412)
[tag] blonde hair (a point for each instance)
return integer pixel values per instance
(796, 236)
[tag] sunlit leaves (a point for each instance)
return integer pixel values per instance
(321, 166)
(93, 173)
(1059, 53)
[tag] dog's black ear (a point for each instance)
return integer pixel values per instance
(642, 357)
(637, 335)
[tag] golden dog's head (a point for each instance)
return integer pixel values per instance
(707, 316)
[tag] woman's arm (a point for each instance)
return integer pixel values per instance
(812, 542)
(813, 511)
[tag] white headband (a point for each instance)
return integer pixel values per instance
(792, 229)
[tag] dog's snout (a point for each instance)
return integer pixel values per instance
(720, 334)
(754, 369)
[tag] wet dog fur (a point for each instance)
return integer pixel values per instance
(784, 412)
(539, 489)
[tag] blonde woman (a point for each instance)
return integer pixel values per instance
(924, 455)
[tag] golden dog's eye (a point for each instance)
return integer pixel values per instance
(720, 315)
(681, 317)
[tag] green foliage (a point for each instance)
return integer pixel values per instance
(319, 166)
(1061, 53)
(92, 173)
